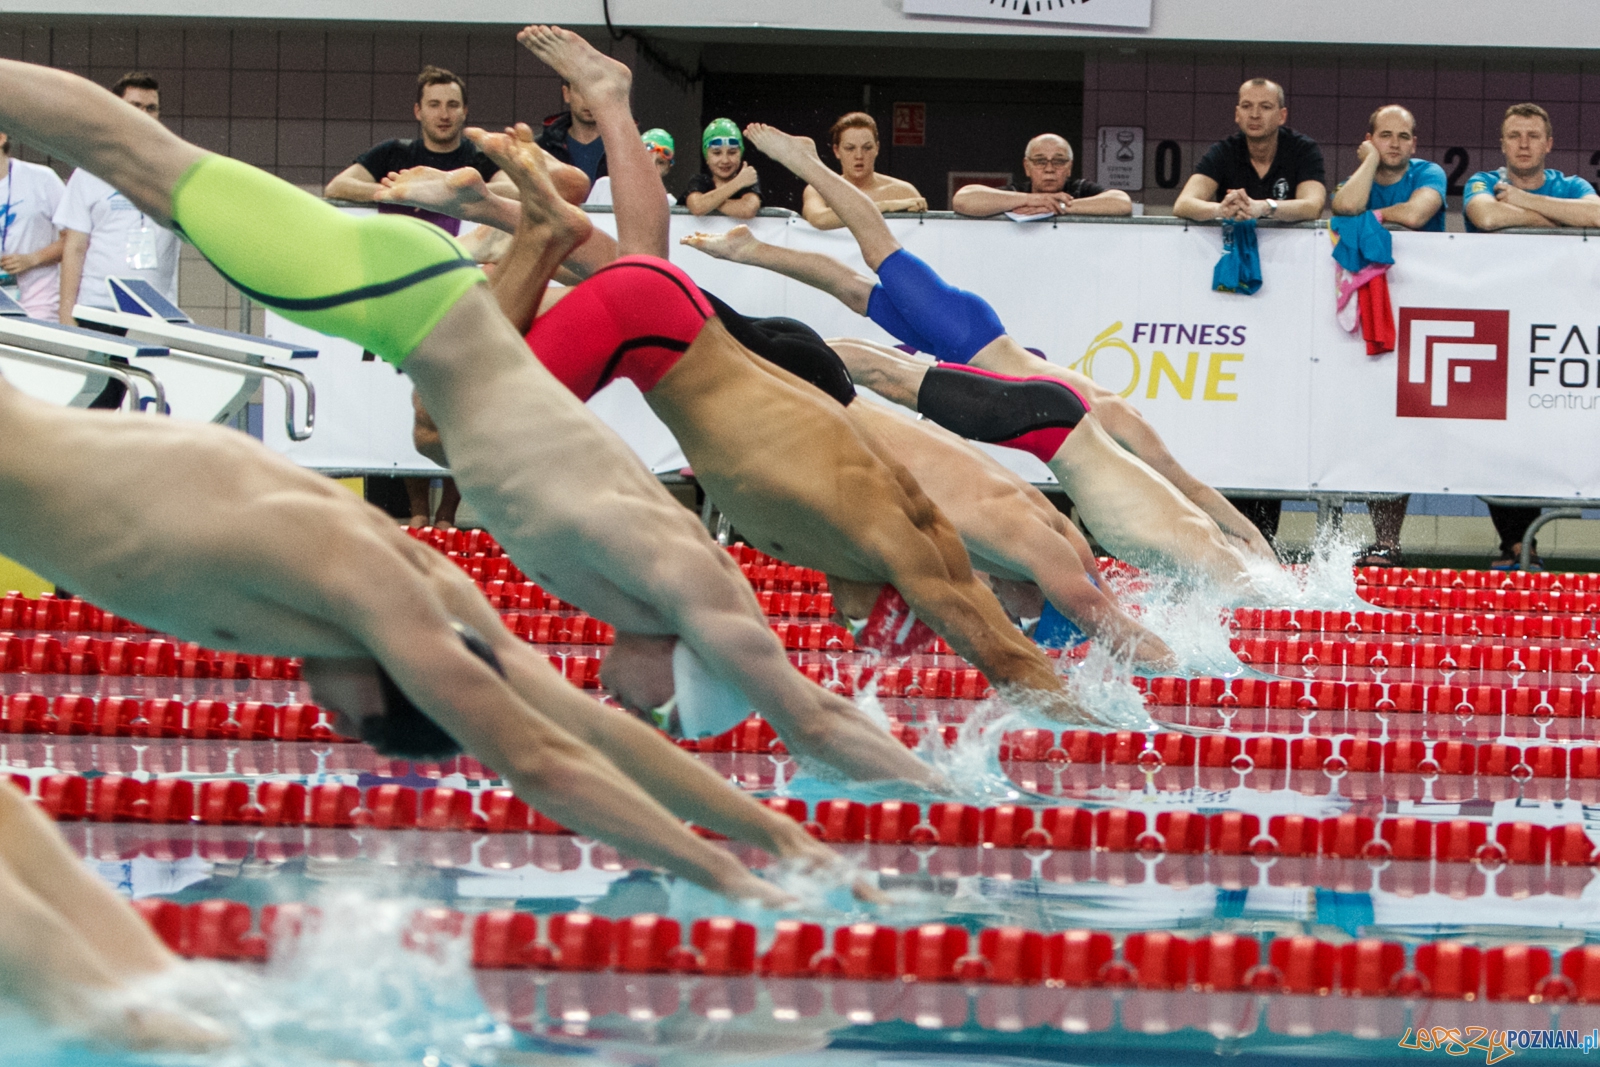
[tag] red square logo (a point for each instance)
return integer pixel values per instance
(1452, 364)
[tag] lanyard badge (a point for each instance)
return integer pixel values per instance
(141, 251)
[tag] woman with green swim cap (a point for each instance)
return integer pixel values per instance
(728, 186)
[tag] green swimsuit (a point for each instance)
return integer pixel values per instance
(381, 281)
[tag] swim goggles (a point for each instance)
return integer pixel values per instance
(724, 142)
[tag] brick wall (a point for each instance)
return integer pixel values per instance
(1188, 98)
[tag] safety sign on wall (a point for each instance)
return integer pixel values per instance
(1120, 163)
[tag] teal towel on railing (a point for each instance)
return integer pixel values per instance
(1362, 241)
(1239, 269)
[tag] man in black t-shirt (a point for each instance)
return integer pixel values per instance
(1264, 171)
(441, 111)
(1048, 187)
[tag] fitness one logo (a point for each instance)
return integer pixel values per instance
(1203, 358)
(1452, 364)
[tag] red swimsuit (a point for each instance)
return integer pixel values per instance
(633, 318)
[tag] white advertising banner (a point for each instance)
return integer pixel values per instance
(1495, 385)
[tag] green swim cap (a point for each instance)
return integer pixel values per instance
(659, 140)
(721, 128)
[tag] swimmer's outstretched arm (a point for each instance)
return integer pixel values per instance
(689, 788)
(364, 588)
(109, 943)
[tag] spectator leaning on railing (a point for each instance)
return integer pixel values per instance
(441, 113)
(728, 186)
(1264, 171)
(855, 146)
(1047, 187)
(1524, 193)
(1401, 189)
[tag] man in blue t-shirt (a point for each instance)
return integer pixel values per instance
(1407, 191)
(1523, 192)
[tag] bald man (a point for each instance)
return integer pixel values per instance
(1264, 171)
(1048, 188)
(1390, 179)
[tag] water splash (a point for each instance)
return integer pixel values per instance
(1326, 580)
(347, 991)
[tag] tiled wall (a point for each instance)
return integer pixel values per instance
(1188, 97)
(301, 104)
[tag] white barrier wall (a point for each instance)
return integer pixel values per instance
(1494, 389)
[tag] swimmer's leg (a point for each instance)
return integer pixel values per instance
(548, 230)
(73, 119)
(640, 200)
(382, 282)
(852, 206)
(952, 324)
(739, 245)
(888, 372)
(1129, 428)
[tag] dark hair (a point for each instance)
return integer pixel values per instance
(432, 75)
(403, 731)
(1526, 111)
(855, 120)
(134, 79)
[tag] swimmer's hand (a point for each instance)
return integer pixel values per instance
(131, 1019)
(758, 891)
(818, 861)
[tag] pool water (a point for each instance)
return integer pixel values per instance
(369, 982)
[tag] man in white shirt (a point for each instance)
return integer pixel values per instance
(106, 236)
(30, 246)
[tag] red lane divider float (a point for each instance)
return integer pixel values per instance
(117, 798)
(931, 953)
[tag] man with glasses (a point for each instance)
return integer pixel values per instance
(1048, 188)
(1264, 171)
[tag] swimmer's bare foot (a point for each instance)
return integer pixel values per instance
(586, 70)
(543, 209)
(738, 245)
(453, 193)
(793, 152)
